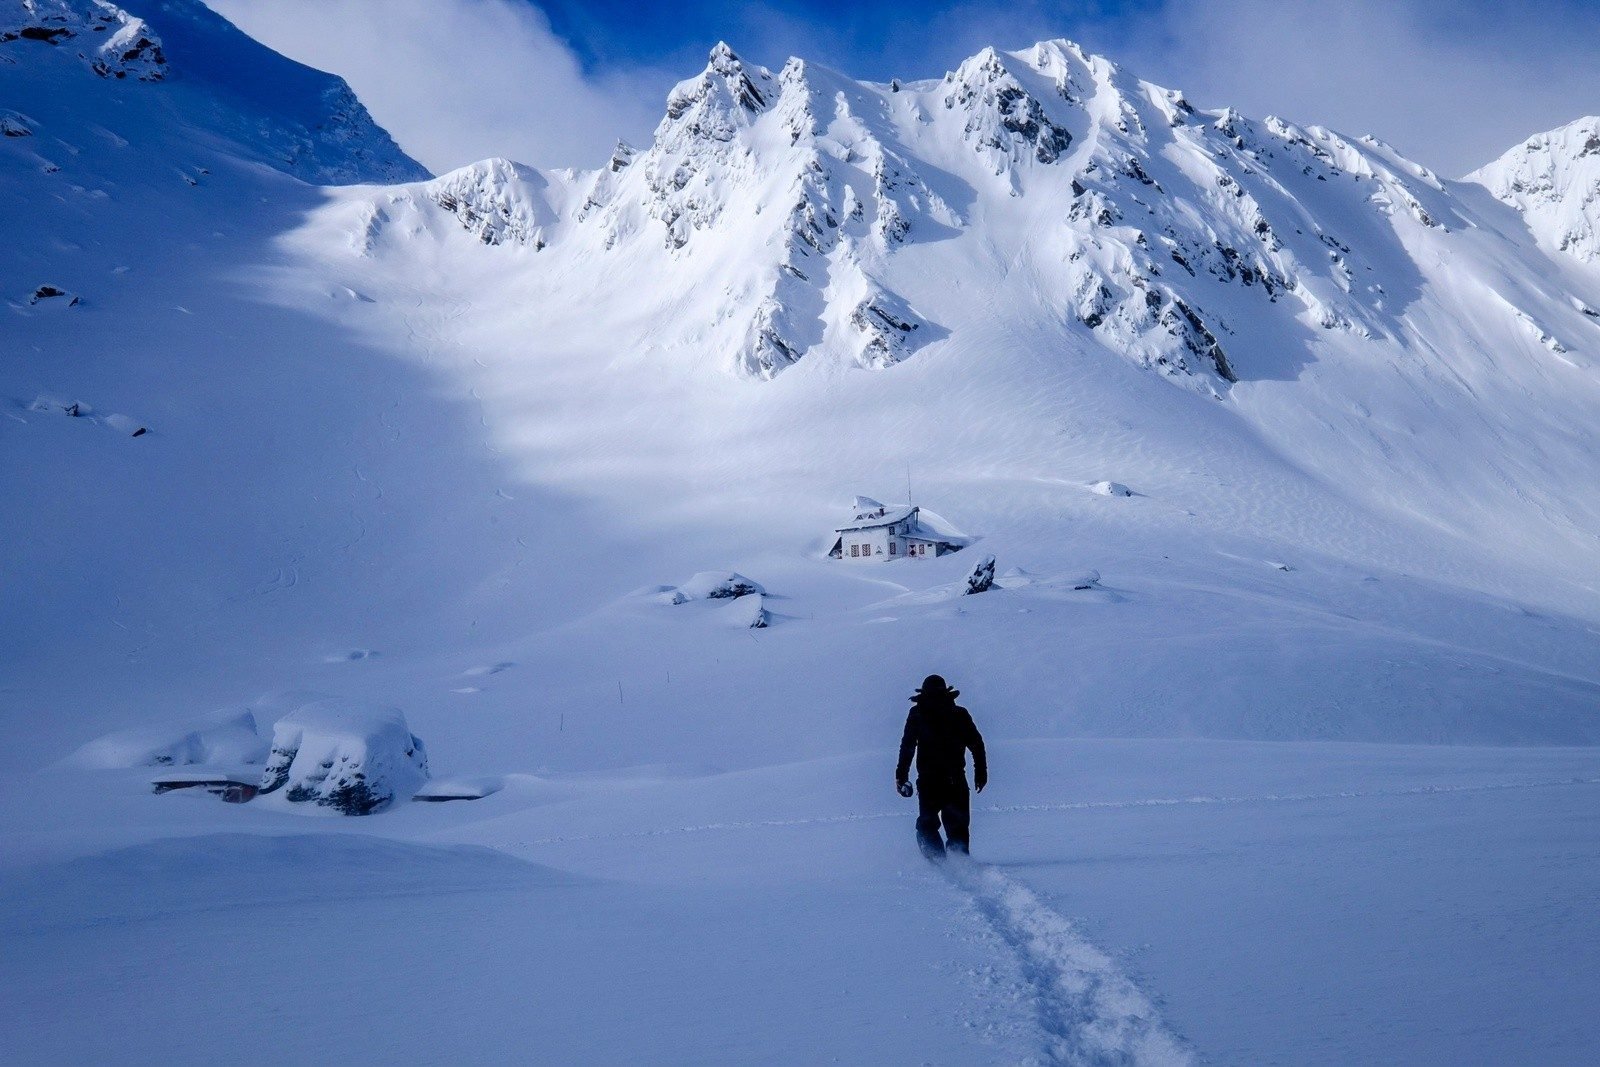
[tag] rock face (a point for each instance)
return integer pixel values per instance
(352, 758)
(1553, 179)
(497, 201)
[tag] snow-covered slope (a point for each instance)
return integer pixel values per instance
(1272, 434)
(1366, 320)
(518, 395)
(226, 89)
(1553, 179)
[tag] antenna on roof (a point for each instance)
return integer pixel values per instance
(908, 484)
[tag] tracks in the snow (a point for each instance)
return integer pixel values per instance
(1085, 1012)
(1088, 1012)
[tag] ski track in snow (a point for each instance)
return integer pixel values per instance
(1089, 1012)
(1077, 805)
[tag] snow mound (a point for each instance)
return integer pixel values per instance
(225, 737)
(1110, 489)
(351, 757)
(748, 613)
(443, 789)
(78, 409)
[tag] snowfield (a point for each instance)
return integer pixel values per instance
(1282, 448)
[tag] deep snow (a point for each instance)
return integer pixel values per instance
(1277, 738)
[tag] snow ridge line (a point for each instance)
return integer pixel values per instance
(1075, 805)
(1091, 1014)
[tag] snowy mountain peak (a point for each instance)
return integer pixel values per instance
(1002, 115)
(709, 103)
(113, 43)
(805, 213)
(1553, 178)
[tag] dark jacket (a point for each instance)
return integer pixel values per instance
(940, 731)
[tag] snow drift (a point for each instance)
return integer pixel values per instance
(227, 737)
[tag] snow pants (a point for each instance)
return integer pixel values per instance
(947, 801)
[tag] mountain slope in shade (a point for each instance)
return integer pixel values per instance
(180, 58)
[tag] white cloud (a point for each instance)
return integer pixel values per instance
(1453, 85)
(455, 81)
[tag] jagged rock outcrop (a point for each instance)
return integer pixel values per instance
(496, 201)
(981, 580)
(1002, 117)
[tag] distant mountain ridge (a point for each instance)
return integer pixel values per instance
(1185, 240)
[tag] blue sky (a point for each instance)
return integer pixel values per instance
(876, 39)
(1452, 83)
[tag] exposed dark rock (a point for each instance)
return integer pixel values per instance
(51, 292)
(48, 34)
(15, 124)
(981, 580)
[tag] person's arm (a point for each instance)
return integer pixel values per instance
(908, 745)
(980, 760)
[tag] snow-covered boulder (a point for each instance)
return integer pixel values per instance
(1110, 489)
(353, 758)
(224, 738)
(719, 585)
(748, 613)
(43, 293)
(981, 580)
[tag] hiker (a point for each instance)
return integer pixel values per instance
(940, 731)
